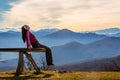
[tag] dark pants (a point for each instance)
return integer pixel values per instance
(48, 52)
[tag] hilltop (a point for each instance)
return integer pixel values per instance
(57, 75)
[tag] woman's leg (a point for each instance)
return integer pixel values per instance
(48, 52)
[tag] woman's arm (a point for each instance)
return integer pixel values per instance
(28, 40)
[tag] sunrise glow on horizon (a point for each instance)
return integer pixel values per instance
(76, 15)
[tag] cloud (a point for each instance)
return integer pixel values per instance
(32, 12)
(59, 13)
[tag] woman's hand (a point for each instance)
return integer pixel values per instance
(29, 47)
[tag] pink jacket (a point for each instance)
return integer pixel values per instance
(30, 38)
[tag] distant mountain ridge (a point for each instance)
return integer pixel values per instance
(109, 31)
(61, 33)
(64, 36)
(101, 31)
(52, 37)
(44, 32)
(75, 51)
(104, 64)
(16, 34)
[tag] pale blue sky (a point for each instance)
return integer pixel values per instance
(4, 5)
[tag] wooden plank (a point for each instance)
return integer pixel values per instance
(22, 49)
(29, 57)
(20, 66)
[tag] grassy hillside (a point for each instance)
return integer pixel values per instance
(56, 75)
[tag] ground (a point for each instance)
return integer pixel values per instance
(60, 75)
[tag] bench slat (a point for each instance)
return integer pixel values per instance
(22, 49)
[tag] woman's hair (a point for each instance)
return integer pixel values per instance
(24, 33)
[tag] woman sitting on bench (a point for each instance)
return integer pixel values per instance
(30, 40)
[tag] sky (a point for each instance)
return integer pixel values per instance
(76, 15)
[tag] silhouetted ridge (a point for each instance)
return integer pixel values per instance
(65, 31)
(104, 64)
(61, 33)
(73, 44)
(108, 40)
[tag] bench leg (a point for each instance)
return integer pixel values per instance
(29, 57)
(20, 66)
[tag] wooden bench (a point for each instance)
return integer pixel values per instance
(22, 51)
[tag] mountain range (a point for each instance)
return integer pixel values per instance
(65, 36)
(44, 32)
(54, 37)
(74, 51)
(67, 46)
(109, 31)
(104, 64)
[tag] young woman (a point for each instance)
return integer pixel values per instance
(31, 40)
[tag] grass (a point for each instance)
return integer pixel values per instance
(56, 75)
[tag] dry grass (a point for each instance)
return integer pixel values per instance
(56, 75)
